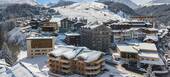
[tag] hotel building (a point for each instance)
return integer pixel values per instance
(39, 45)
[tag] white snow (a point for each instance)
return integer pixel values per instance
(151, 37)
(60, 39)
(126, 48)
(72, 34)
(90, 56)
(15, 36)
(22, 55)
(92, 11)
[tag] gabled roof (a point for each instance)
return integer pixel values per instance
(67, 51)
(126, 48)
(147, 46)
(90, 56)
(72, 52)
(152, 37)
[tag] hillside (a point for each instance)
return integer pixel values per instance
(19, 10)
(126, 2)
(162, 12)
(160, 1)
(61, 3)
(119, 7)
(92, 11)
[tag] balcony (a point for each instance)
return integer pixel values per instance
(64, 61)
(93, 67)
(66, 66)
(53, 59)
(66, 70)
(93, 72)
(99, 61)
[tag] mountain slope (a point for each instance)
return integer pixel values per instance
(92, 11)
(162, 12)
(19, 10)
(119, 7)
(61, 3)
(160, 1)
(141, 2)
(126, 2)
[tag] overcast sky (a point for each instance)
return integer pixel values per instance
(53, 1)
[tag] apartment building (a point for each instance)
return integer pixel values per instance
(72, 24)
(96, 37)
(53, 24)
(122, 31)
(72, 39)
(71, 59)
(140, 54)
(130, 24)
(39, 45)
(127, 34)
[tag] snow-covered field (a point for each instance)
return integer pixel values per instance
(91, 11)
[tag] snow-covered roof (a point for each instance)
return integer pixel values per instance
(56, 18)
(126, 48)
(151, 37)
(149, 54)
(147, 46)
(91, 26)
(67, 51)
(72, 34)
(157, 62)
(22, 69)
(19, 71)
(72, 52)
(90, 56)
(41, 37)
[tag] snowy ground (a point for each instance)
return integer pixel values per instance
(91, 11)
(41, 63)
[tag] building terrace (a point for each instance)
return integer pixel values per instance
(71, 59)
(141, 54)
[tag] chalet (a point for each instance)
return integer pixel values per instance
(127, 34)
(52, 25)
(39, 45)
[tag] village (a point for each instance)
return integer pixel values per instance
(62, 46)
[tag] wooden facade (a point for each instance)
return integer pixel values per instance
(63, 65)
(50, 26)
